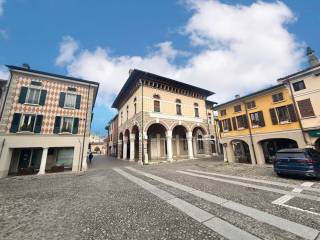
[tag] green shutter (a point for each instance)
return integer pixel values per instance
(273, 116)
(75, 126)
(37, 127)
(23, 95)
(62, 99)
(15, 122)
(57, 123)
(78, 101)
(43, 96)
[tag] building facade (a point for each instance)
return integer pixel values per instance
(305, 88)
(45, 122)
(112, 137)
(97, 144)
(254, 127)
(160, 119)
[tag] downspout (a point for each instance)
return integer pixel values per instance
(250, 133)
(142, 127)
(296, 109)
(85, 128)
(208, 128)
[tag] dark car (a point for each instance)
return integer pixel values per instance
(298, 162)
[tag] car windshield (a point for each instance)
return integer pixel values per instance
(291, 155)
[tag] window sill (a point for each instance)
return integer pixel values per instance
(285, 122)
(279, 101)
(32, 104)
(65, 133)
(308, 117)
(256, 126)
(25, 133)
(70, 108)
(242, 128)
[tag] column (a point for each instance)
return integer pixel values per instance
(124, 153)
(225, 153)
(178, 144)
(43, 164)
(190, 148)
(169, 145)
(132, 143)
(5, 160)
(119, 149)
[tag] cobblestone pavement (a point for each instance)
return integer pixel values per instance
(116, 199)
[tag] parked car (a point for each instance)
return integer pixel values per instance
(298, 162)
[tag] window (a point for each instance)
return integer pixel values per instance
(283, 114)
(70, 100)
(121, 117)
(196, 110)
(237, 108)
(257, 119)
(200, 144)
(33, 96)
(209, 118)
(277, 97)
(223, 112)
(305, 108)
(251, 104)
(135, 105)
(178, 107)
(67, 124)
(297, 86)
(127, 112)
(27, 123)
(156, 103)
(226, 125)
(241, 122)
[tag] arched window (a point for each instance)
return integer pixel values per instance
(127, 112)
(135, 105)
(200, 143)
(209, 118)
(156, 103)
(178, 107)
(196, 109)
(121, 117)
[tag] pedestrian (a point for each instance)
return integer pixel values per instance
(90, 157)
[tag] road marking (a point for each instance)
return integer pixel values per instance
(269, 189)
(216, 224)
(281, 223)
(280, 184)
(282, 200)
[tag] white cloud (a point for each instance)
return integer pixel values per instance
(1, 6)
(68, 48)
(244, 48)
(4, 73)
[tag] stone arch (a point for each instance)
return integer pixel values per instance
(164, 124)
(173, 125)
(156, 144)
(201, 126)
(179, 141)
(135, 132)
(126, 148)
(241, 151)
(270, 146)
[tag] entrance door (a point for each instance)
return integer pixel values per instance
(24, 160)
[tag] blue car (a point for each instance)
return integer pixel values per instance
(297, 162)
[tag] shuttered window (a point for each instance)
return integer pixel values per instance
(242, 122)
(251, 104)
(257, 119)
(223, 112)
(227, 125)
(237, 108)
(297, 86)
(305, 108)
(32, 95)
(277, 97)
(26, 123)
(283, 114)
(66, 125)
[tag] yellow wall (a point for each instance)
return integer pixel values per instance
(263, 103)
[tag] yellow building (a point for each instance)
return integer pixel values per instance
(254, 127)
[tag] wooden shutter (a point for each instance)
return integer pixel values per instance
(261, 119)
(43, 96)
(78, 101)
(292, 113)
(15, 122)
(305, 108)
(273, 115)
(229, 124)
(62, 99)
(245, 121)
(75, 125)
(57, 123)
(220, 126)
(23, 95)
(234, 123)
(37, 127)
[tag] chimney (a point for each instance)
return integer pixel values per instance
(26, 66)
(312, 58)
(237, 96)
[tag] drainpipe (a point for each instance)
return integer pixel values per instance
(296, 109)
(85, 129)
(208, 124)
(142, 127)
(250, 133)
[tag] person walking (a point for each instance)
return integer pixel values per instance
(90, 157)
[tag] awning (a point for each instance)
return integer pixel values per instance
(314, 133)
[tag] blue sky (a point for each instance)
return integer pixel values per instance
(33, 31)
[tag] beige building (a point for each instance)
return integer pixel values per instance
(97, 144)
(112, 137)
(160, 119)
(45, 122)
(305, 88)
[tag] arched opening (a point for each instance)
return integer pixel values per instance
(198, 134)
(156, 142)
(271, 146)
(241, 151)
(135, 131)
(121, 145)
(213, 144)
(317, 144)
(179, 142)
(127, 138)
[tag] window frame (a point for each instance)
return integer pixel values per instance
(65, 100)
(276, 100)
(226, 127)
(298, 84)
(248, 104)
(196, 110)
(61, 124)
(255, 123)
(22, 121)
(287, 113)
(223, 112)
(28, 94)
(235, 108)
